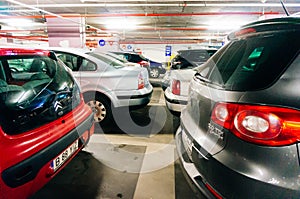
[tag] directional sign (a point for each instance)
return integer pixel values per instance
(101, 42)
(168, 51)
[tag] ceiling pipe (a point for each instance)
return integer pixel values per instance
(138, 29)
(8, 31)
(147, 14)
(32, 38)
(45, 12)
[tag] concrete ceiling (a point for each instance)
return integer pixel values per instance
(164, 21)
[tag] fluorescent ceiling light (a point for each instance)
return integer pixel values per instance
(225, 24)
(18, 22)
(120, 24)
(222, 26)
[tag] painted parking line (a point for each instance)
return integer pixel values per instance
(157, 173)
(157, 98)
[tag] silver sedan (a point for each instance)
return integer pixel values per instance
(106, 83)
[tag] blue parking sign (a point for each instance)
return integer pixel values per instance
(168, 50)
(101, 42)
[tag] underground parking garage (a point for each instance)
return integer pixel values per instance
(149, 99)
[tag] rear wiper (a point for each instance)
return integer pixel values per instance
(198, 76)
(201, 78)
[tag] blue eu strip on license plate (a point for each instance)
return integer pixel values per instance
(64, 156)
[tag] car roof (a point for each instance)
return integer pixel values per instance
(22, 51)
(267, 25)
(124, 52)
(70, 50)
(200, 50)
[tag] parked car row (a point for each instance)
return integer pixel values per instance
(239, 133)
(155, 69)
(50, 101)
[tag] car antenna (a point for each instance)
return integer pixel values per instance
(284, 8)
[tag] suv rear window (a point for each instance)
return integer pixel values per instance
(252, 63)
(188, 59)
(197, 55)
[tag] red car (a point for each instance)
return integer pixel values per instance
(44, 121)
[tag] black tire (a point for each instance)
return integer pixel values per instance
(101, 107)
(154, 73)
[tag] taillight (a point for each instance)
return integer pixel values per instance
(176, 87)
(213, 191)
(141, 81)
(265, 125)
(144, 63)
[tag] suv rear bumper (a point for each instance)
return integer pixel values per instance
(190, 172)
(232, 183)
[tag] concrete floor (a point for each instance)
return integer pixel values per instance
(134, 159)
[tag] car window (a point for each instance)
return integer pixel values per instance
(120, 58)
(180, 62)
(27, 68)
(109, 60)
(191, 58)
(76, 62)
(197, 56)
(86, 65)
(28, 84)
(251, 63)
(133, 58)
(69, 60)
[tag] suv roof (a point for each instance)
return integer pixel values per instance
(275, 24)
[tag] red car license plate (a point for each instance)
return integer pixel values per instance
(64, 156)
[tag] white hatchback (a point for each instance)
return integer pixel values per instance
(176, 94)
(106, 83)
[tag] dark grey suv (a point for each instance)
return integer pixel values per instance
(239, 134)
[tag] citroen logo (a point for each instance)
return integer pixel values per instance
(57, 105)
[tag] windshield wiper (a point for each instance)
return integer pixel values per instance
(202, 78)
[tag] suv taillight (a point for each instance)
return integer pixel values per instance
(141, 81)
(176, 87)
(265, 125)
